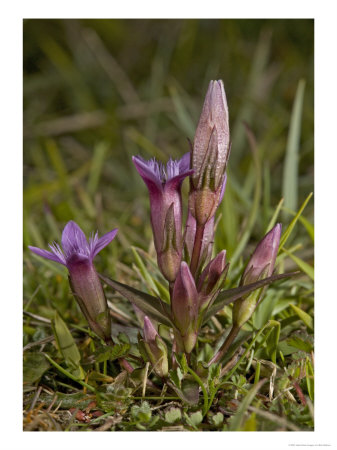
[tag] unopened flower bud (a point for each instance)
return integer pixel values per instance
(156, 349)
(184, 305)
(260, 265)
(213, 275)
(210, 154)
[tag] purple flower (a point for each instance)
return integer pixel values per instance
(77, 255)
(210, 154)
(164, 185)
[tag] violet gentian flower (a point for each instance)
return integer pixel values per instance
(155, 348)
(209, 154)
(164, 185)
(77, 254)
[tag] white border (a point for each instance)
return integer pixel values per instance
(325, 15)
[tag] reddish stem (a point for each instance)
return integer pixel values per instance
(230, 338)
(199, 233)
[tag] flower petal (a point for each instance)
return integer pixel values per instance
(103, 242)
(149, 171)
(175, 182)
(46, 254)
(184, 163)
(74, 240)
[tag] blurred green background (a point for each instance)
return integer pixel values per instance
(97, 92)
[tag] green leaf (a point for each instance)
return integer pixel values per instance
(183, 363)
(150, 305)
(230, 295)
(264, 310)
(303, 316)
(111, 353)
(272, 341)
(34, 366)
(290, 173)
(297, 342)
(189, 392)
(217, 419)
(67, 346)
(310, 379)
(176, 376)
(196, 418)
(172, 415)
(142, 413)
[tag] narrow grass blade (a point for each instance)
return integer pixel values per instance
(305, 222)
(184, 118)
(251, 92)
(226, 235)
(292, 224)
(97, 162)
(236, 421)
(266, 191)
(307, 268)
(273, 220)
(144, 143)
(86, 202)
(273, 340)
(303, 316)
(58, 164)
(290, 173)
(256, 200)
(144, 272)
